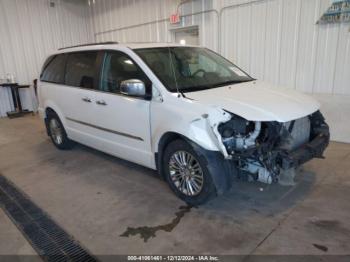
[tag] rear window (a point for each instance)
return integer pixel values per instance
(53, 71)
(80, 70)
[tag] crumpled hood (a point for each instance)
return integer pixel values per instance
(258, 101)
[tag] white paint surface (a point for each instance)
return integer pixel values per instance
(29, 30)
(277, 41)
(259, 101)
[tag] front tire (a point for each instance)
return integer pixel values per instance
(187, 174)
(57, 132)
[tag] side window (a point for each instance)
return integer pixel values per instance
(80, 70)
(53, 71)
(117, 68)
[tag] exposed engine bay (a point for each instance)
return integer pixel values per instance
(263, 151)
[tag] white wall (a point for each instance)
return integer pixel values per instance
(148, 20)
(121, 16)
(274, 40)
(279, 41)
(336, 109)
(30, 29)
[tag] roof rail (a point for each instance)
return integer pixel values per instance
(90, 44)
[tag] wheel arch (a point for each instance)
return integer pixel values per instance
(51, 107)
(164, 141)
(221, 169)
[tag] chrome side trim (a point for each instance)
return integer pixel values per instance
(105, 129)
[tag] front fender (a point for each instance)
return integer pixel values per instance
(202, 130)
(222, 170)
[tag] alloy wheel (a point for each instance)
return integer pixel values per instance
(56, 131)
(186, 173)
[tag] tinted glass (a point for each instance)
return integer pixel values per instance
(80, 70)
(117, 68)
(191, 69)
(54, 69)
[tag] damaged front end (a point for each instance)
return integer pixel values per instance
(267, 151)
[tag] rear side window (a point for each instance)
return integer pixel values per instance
(80, 70)
(53, 71)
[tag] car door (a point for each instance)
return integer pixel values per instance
(123, 122)
(78, 96)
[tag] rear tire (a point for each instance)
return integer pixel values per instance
(57, 132)
(187, 174)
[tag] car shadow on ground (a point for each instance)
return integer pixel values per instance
(243, 196)
(245, 203)
(268, 200)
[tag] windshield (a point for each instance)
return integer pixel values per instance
(188, 69)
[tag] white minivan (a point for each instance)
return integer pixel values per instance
(186, 111)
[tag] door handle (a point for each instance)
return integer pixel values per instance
(101, 103)
(86, 99)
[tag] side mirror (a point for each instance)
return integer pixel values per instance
(133, 87)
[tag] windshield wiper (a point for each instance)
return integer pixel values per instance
(205, 87)
(233, 82)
